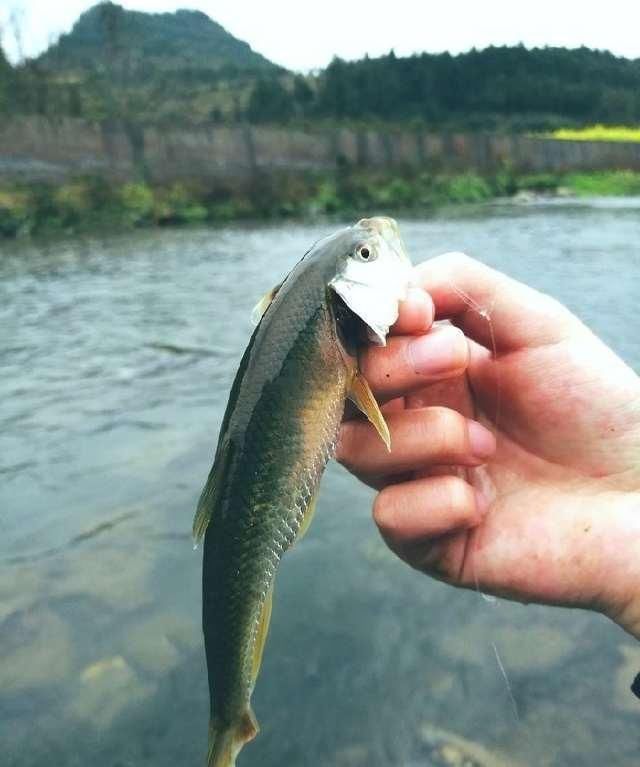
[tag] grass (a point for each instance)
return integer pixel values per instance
(613, 183)
(604, 183)
(598, 133)
(88, 204)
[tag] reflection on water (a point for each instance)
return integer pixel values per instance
(115, 361)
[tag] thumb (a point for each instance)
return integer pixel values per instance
(491, 307)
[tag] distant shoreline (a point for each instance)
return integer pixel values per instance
(89, 204)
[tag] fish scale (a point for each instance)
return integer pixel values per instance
(249, 568)
(279, 430)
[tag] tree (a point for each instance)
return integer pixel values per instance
(269, 102)
(303, 95)
(6, 79)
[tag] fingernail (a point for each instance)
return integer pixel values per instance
(443, 350)
(481, 440)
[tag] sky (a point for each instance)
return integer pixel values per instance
(306, 34)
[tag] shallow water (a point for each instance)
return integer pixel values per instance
(116, 356)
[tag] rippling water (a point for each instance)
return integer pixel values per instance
(116, 356)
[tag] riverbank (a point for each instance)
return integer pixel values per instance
(89, 204)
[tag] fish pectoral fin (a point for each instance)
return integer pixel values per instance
(212, 489)
(263, 304)
(308, 516)
(362, 397)
(261, 634)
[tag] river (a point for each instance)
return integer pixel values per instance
(116, 356)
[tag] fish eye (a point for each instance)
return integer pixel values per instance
(364, 253)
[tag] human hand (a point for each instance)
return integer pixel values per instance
(550, 510)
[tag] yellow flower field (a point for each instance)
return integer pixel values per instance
(599, 133)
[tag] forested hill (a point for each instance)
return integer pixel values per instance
(497, 83)
(107, 34)
(184, 68)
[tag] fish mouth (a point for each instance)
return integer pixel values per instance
(353, 331)
(383, 225)
(376, 328)
(364, 302)
(374, 292)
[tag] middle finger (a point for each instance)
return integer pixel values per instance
(419, 438)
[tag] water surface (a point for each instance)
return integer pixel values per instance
(116, 356)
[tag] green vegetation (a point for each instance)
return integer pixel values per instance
(185, 68)
(497, 87)
(6, 82)
(598, 133)
(87, 204)
(107, 36)
(180, 67)
(91, 203)
(612, 183)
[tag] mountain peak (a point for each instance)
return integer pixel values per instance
(182, 39)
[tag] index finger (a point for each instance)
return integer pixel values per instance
(490, 307)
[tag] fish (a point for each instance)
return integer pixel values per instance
(279, 430)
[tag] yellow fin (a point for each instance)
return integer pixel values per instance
(362, 396)
(261, 634)
(263, 304)
(210, 494)
(308, 516)
(226, 741)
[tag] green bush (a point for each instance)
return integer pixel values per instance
(539, 182)
(326, 199)
(137, 203)
(89, 203)
(505, 182)
(397, 193)
(16, 213)
(179, 205)
(467, 187)
(72, 204)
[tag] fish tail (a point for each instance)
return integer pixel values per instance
(226, 740)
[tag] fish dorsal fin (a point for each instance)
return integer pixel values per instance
(308, 516)
(261, 634)
(212, 489)
(263, 304)
(362, 396)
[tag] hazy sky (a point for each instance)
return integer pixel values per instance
(306, 34)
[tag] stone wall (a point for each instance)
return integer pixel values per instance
(39, 149)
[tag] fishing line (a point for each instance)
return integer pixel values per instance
(485, 313)
(514, 705)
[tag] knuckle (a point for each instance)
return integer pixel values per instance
(450, 432)
(458, 495)
(383, 511)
